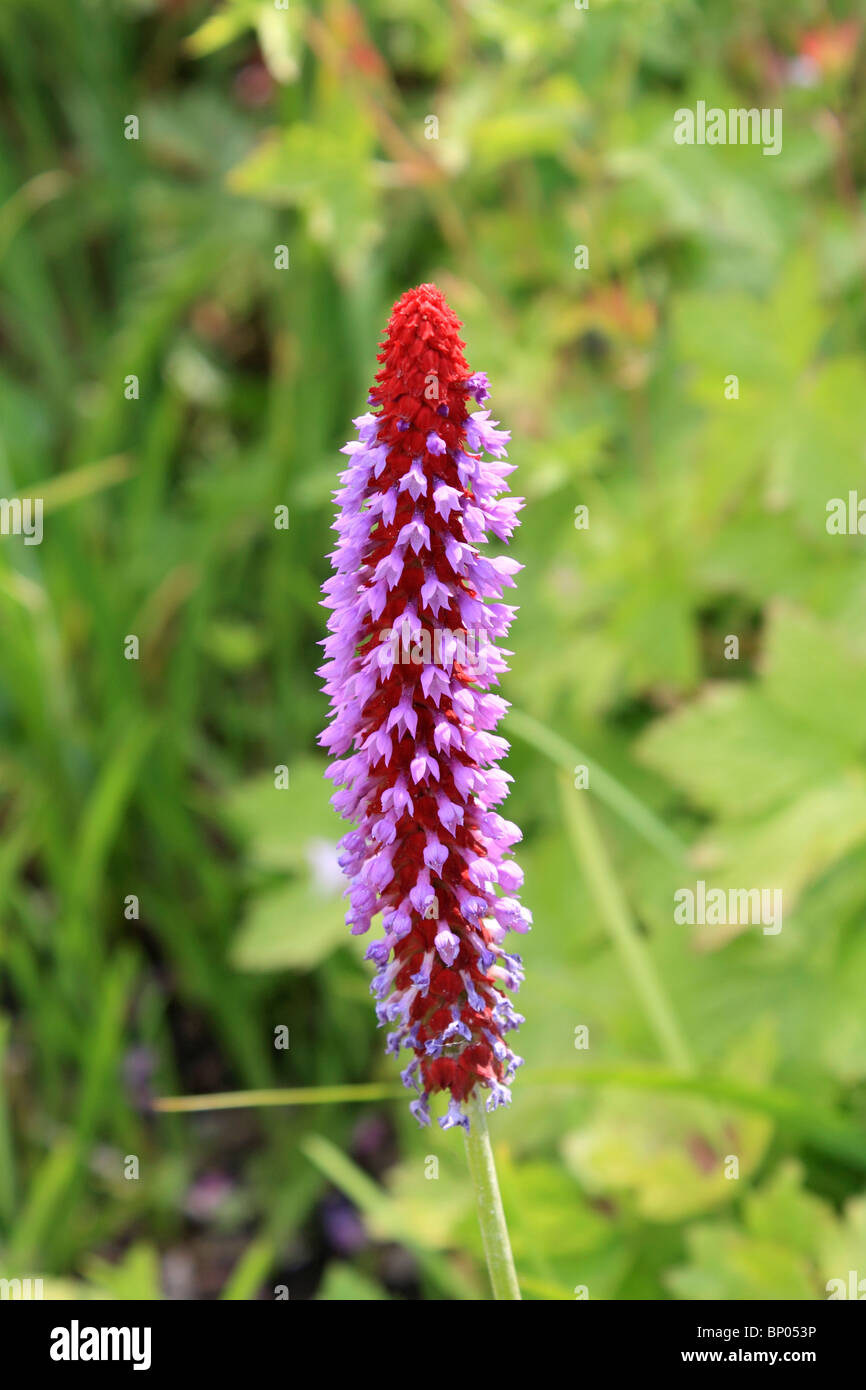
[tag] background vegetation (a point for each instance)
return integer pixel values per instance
(156, 258)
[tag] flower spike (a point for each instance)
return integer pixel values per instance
(412, 658)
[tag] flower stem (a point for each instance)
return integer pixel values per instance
(491, 1217)
(614, 911)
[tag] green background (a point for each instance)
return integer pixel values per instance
(155, 258)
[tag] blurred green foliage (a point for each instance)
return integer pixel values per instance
(156, 258)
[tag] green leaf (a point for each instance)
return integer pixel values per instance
(279, 34)
(325, 174)
(735, 753)
(281, 825)
(223, 26)
(794, 846)
(844, 1247)
(134, 1277)
(726, 1265)
(816, 676)
(772, 1257)
(668, 1155)
(343, 1284)
(785, 1213)
(290, 928)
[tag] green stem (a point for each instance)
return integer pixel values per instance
(299, 1095)
(491, 1217)
(614, 912)
(620, 800)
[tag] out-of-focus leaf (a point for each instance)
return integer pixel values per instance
(289, 928)
(734, 753)
(323, 174)
(134, 1277)
(670, 1157)
(281, 825)
(773, 1257)
(344, 1284)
